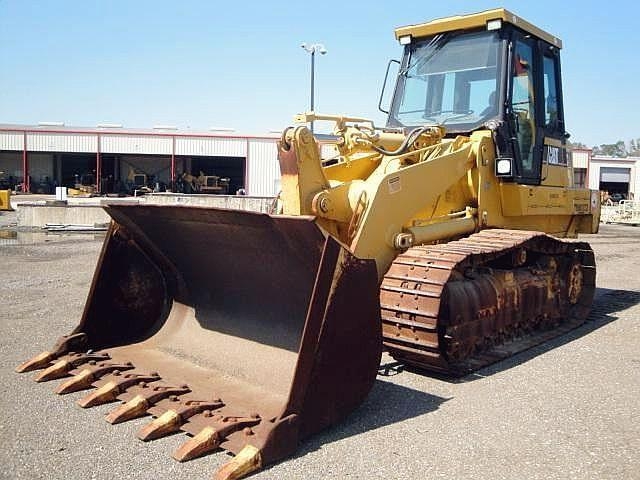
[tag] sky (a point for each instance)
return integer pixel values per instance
(238, 64)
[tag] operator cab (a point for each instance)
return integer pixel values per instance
(490, 70)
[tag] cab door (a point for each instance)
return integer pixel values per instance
(554, 157)
(534, 112)
(523, 110)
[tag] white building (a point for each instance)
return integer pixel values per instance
(620, 175)
(37, 158)
(580, 159)
(616, 175)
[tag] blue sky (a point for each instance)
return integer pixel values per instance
(198, 64)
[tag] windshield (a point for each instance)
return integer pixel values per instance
(451, 80)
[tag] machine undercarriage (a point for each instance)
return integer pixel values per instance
(459, 306)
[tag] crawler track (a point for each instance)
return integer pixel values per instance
(459, 306)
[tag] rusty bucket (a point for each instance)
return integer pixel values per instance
(247, 331)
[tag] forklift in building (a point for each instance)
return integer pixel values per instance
(206, 184)
(213, 184)
(84, 185)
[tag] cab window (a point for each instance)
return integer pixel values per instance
(523, 106)
(551, 106)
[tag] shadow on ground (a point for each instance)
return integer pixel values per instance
(387, 404)
(606, 304)
(409, 403)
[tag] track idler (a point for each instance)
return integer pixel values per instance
(246, 331)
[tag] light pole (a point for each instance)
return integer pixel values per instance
(312, 49)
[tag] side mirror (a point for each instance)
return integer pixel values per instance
(387, 102)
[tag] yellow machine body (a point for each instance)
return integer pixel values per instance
(442, 189)
(5, 200)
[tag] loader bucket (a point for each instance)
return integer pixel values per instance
(247, 331)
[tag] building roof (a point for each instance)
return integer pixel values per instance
(159, 132)
(581, 149)
(610, 158)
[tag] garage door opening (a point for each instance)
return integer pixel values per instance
(78, 169)
(231, 168)
(615, 181)
(139, 171)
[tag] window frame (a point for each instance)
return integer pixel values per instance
(556, 131)
(531, 175)
(452, 128)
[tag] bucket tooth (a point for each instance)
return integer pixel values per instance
(134, 408)
(207, 440)
(41, 360)
(171, 420)
(117, 384)
(146, 396)
(167, 423)
(57, 370)
(210, 437)
(104, 394)
(78, 382)
(63, 366)
(248, 460)
(84, 379)
(64, 344)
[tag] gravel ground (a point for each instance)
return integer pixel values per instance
(567, 409)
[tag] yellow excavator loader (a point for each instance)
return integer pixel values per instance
(437, 237)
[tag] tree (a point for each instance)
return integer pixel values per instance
(575, 145)
(618, 149)
(634, 148)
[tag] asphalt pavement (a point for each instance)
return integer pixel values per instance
(567, 409)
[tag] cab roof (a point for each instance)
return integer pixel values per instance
(474, 20)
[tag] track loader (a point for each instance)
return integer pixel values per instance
(437, 237)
